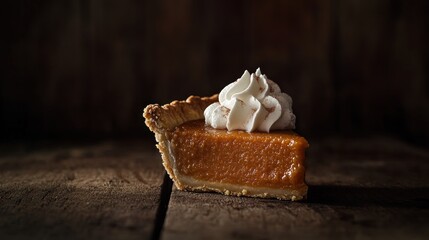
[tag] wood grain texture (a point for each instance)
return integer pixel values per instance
(358, 189)
(382, 66)
(108, 190)
(88, 68)
(290, 41)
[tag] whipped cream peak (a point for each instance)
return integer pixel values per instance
(252, 103)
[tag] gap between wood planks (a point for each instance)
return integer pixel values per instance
(161, 212)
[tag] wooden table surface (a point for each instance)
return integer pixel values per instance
(358, 188)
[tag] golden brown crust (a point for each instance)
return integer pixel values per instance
(294, 194)
(166, 117)
(162, 119)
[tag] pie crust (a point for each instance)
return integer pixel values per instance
(163, 120)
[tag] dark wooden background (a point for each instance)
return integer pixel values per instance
(358, 71)
(88, 68)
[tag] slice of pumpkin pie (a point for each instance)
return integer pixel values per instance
(238, 143)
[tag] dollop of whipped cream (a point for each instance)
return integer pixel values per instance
(252, 103)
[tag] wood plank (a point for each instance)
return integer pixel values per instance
(88, 65)
(290, 41)
(108, 190)
(382, 67)
(368, 188)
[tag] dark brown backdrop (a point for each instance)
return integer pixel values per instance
(87, 68)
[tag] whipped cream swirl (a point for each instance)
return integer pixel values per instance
(252, 103)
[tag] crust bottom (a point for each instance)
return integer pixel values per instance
(192, 184)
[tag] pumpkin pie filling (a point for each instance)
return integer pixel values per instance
(270, 160)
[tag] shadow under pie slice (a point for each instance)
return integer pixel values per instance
(200, 158)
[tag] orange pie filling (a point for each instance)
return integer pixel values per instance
(272, 160)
